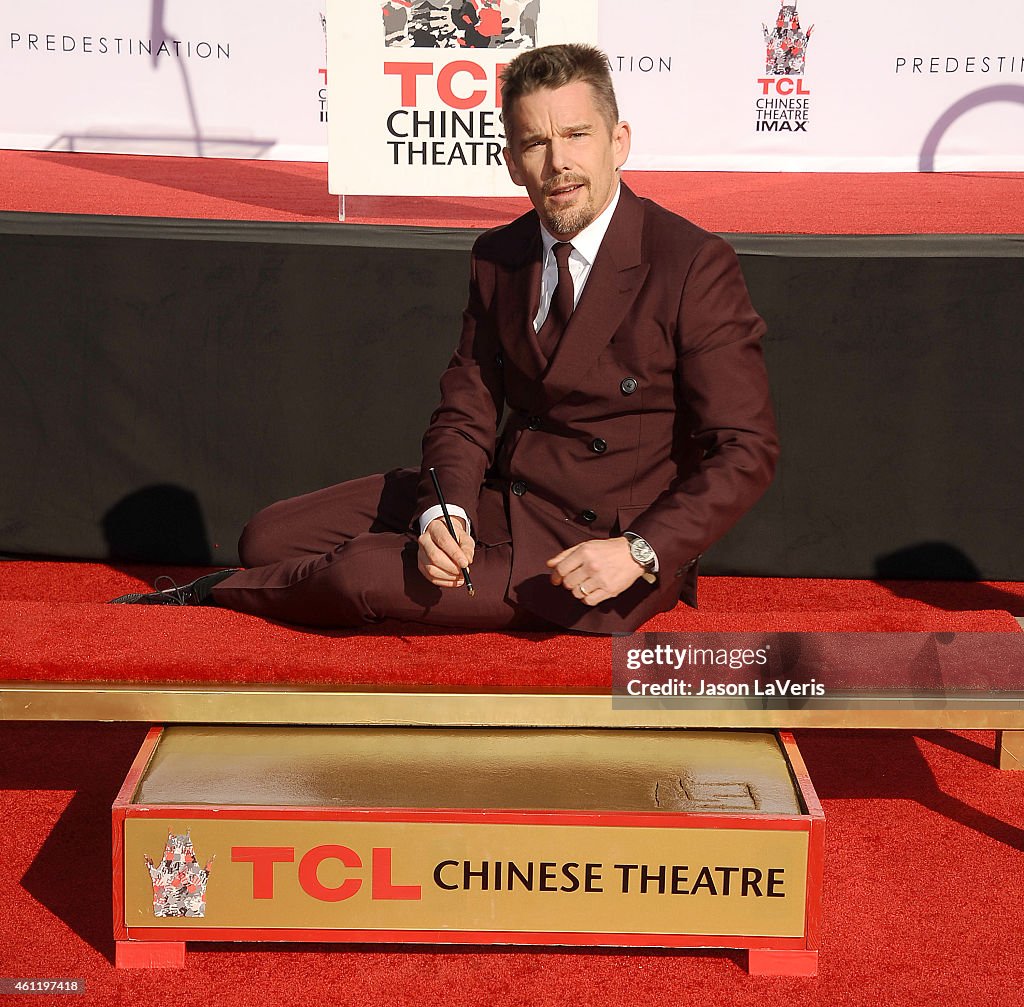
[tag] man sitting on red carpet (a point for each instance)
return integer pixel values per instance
(617, 342)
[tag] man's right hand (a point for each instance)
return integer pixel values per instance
(440, 557)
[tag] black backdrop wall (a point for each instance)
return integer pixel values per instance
(161, 380)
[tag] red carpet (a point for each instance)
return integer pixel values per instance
(923, 890)
(924, 836)
(892, 203)
(55, 627)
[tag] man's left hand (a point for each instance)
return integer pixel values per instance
(597, 570)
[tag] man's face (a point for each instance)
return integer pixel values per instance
(562, 150)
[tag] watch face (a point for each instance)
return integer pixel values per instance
(641, 552)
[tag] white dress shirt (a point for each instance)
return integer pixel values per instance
(585, 247)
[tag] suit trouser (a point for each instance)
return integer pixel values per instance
(346, 556)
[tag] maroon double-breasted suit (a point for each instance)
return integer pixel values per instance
(653, 415)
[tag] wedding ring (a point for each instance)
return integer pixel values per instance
(583, 591)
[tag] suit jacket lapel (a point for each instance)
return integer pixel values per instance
(614, 282)
(521, 292)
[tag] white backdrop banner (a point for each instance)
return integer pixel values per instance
(750, 85)
(193, 77)
(746, 86)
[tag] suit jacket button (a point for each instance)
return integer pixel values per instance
(534, 423)
(598, 446)
(519, 488)
(628, 385)
(588, 516)
(499, 359)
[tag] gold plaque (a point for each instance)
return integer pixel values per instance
(504, 876)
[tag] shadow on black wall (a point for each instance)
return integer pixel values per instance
(943, 576)
(158, 524)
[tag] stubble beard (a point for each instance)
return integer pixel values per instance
(571, 219)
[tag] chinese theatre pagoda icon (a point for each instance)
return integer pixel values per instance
(787, 44)
(179, 883)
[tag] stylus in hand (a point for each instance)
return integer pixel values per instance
(451, 527)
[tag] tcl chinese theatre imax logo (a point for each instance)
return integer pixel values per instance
(784, 103)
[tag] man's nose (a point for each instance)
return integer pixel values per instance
(560, 155)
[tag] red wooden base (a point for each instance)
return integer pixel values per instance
(769, 962)
(149, 954)
(167, 955)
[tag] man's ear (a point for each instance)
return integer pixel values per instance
(514, 172)
(622, 137)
